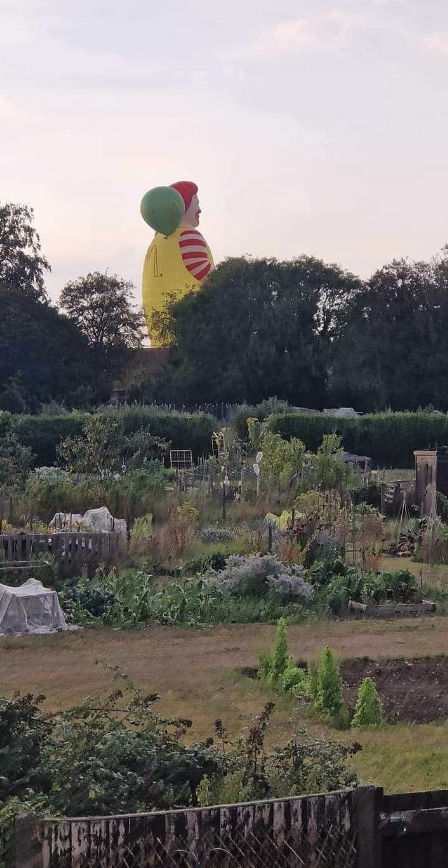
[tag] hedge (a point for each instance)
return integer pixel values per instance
(184, 431)
(389, 439)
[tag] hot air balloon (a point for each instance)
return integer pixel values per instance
(178, 259)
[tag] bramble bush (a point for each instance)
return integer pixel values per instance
(113, 754)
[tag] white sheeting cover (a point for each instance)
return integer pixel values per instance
(31, 608)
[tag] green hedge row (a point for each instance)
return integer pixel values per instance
(388, 438)
(43, 433)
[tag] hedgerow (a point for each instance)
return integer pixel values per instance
(42, 434)
(388, 438)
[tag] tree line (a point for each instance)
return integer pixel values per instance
(307, 331)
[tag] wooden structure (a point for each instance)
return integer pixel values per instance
(362, 465)
(431, 476)
(74, 553)
(359, 828)
(181, 459)
(392, 610)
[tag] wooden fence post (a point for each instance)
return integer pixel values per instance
(367, 808)
(27, 848)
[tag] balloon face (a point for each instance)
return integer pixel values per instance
(162, 208)
(191, 216)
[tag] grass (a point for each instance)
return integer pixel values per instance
(197, 675)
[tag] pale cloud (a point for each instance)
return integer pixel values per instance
(435, 42)
(8, 111)
(323, 32)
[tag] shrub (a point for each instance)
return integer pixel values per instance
(42, 434)
(213, 560)
(131, 495)
(141, 536)
(328, 684)
(279, 657)
(294, 679)
(255, 576)
(368, 711)
(216, 534)
(277, 668)
(15, 461)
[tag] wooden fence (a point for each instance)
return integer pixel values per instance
(359, 828)
(73, 552)
(334, 830)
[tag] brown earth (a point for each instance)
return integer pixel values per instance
(412, 690)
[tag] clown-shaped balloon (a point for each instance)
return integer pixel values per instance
(180, 260)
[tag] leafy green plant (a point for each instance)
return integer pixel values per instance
(282, 459)
(328, 684)
(330, 469)
(368, 710)
(113, 754)
(294, 679)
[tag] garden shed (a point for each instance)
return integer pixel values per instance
(431, 476)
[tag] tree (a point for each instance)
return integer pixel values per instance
(43, 356)
(328, 684)
(256, 328)
(368, 711)
(392, 342)
(101, 307)
(22, 265)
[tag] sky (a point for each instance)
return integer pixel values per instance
(310, 126)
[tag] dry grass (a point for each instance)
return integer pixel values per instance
(196, 674)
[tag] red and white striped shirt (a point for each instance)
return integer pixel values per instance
(194, 254)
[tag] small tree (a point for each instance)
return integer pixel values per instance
(274, 664)
(97, 451)
(282, 459)
(368, 711)
(328, 684)
(330, 469)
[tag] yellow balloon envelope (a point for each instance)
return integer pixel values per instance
(177, 263)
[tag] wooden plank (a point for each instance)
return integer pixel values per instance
(99, 843)
(407, 801)
(417, 822)
(80, 832)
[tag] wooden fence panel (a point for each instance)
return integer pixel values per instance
(304, 832)
(73, 552)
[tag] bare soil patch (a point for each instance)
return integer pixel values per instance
(412, 690)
